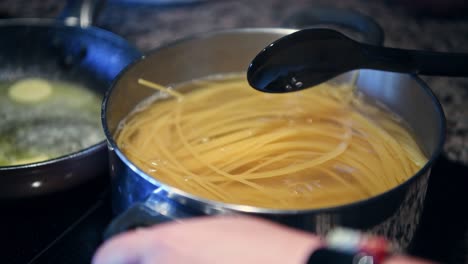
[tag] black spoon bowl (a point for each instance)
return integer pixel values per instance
(309, 57)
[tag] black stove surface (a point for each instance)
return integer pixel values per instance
(68, 227)
(61, 228)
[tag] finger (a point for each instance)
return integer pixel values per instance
(127, 248)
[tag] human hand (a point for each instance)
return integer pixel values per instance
(225, 239)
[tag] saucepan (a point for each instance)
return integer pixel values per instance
(143, 200)
(67, 49)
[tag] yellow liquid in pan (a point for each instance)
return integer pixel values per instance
(222, 140)
(42, 119)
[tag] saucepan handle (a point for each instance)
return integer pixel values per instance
(137, 216)
(370, 31)
(156, 209)
(81, 13)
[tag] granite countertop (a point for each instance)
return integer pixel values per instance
(148, 26)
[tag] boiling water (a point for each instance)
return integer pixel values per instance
(224, 141)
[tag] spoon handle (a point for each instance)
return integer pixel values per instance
(417, 62)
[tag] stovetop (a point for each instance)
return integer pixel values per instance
(61, 228)
(68, 227)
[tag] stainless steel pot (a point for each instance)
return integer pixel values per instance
(394, 214)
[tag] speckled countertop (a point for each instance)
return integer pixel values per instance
(149, 26)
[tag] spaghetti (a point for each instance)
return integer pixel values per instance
(224, 141)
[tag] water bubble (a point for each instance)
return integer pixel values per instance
(205, 140)
(187, 178)
(287, 181)
(317, 184)
(302, 188)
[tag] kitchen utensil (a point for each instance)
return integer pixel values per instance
(311, 56)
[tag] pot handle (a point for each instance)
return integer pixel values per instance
(81, 13)
(156, 209)
(370, 31)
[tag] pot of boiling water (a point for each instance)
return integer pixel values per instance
(143, 200)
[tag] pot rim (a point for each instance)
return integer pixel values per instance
(248, 208)
(93, 149)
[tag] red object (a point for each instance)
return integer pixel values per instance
(377, 247)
